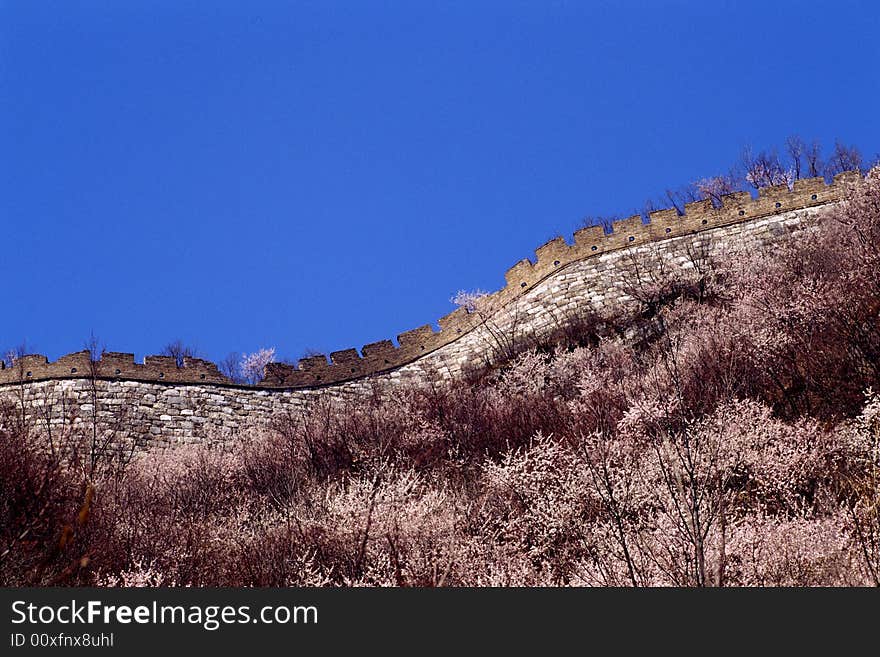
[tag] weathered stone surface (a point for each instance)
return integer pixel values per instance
(182, 406)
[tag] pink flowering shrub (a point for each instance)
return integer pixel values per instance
(800, 551)
(253, 366)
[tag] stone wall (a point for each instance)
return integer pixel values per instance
(158, 403)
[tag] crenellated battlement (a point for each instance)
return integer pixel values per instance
(112, 365)
(384, 356)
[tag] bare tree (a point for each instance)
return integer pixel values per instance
(606, 221)
(12, 360)
(13, 354)
(95, 347)
(99, 441)
(764, 169)
(610, 480)
(505, 339)
(795, 148)
(813, 156)
(714, 187)
(688, 460)
(682, 196)
(230, 367)
(179, 351)
(844, 158)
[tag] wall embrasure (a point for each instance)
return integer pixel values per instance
(158, 403)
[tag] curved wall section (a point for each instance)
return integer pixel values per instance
(158, 403)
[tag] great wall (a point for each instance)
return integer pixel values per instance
(157, 403)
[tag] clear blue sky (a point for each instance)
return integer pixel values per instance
(326, 174)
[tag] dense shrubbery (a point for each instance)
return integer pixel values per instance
(735, 442)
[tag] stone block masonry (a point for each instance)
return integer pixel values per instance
(156, 403)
